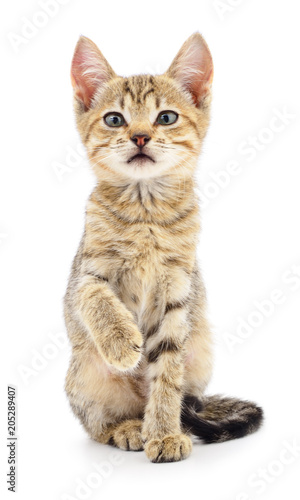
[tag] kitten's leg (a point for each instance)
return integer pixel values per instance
(110, 324)
(165, 441)
(126, 434)
(105, 404)
(199, 353)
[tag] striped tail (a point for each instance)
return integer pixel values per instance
(215, 419)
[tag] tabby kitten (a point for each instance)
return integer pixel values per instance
(135, 303)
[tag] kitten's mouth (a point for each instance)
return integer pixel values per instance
(141, 158)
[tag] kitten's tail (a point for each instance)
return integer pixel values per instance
(215, 419)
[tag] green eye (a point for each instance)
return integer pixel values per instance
(167, 117)
(114, 119)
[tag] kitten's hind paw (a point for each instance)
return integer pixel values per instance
(128, 436)
(171, 448)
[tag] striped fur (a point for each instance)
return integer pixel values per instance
(216, 419)
(135, 303)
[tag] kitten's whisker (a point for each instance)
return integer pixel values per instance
(90, 148)
(101, 158)
(182, 169)
(192, 150)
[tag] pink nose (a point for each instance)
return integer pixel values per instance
(140, 139)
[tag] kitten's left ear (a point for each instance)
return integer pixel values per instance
(193, 67)
(90, 70)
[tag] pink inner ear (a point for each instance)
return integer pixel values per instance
(193, 67)
(89, 70)
(200, 81)
(84, 87)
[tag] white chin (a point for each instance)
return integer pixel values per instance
(145, 169)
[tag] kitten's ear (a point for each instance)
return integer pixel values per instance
(193, 67)
(89, 71)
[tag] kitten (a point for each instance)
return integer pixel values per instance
(135, 303)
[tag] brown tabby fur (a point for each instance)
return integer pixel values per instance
(135, 306)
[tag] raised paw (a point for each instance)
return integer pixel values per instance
(171, 448)
(127, 436)
(122, 350)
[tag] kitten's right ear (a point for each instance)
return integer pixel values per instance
(89, 71)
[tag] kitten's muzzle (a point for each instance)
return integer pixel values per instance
(140, 140)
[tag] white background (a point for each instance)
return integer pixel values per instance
(249, 246)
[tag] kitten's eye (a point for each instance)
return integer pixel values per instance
(114, 119)
(167, 117)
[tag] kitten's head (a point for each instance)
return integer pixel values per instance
(142, 126)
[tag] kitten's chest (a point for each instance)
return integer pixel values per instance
(142, 275)
(141, 264)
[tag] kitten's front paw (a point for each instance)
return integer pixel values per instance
(122, 350)
(171, 448)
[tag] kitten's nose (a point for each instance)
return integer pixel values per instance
(140, 139)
